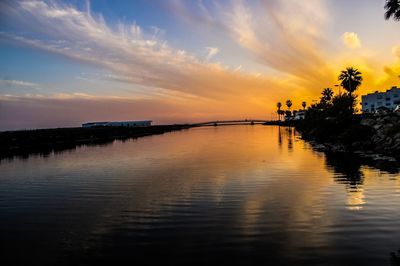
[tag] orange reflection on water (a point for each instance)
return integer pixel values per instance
(233, 184)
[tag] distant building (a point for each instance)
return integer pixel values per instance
(389, 99)
(297, 115)
(144, 123)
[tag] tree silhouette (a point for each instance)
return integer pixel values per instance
(392, 8)
(279, 106)
(289, 104)
(288, 113)
(327, 95)
(281, 112)
(350, 79)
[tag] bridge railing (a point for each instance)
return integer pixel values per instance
(231, 122)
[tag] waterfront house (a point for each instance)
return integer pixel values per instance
(389, 99)
(144, 123)
(299, 115)
(296, 115)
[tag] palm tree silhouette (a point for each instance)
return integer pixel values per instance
(289, 104)
(304, 104)
(279, 105)
(327, 95)
(350, 79)
(392, 8)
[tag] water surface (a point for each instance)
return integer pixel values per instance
(229, 194)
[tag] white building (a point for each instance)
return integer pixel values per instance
(300, 115)
(389, 99)
(297, 115)
(144, 123)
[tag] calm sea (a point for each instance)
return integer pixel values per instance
(247, 195)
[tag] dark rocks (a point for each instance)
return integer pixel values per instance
(386, 132)
(368, 122)
(373, 136)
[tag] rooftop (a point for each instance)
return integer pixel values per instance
(383, 92)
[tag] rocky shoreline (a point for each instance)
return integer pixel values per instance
(375, 137)
(386, 128)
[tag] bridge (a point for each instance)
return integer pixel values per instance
(230, 122)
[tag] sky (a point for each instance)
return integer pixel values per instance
(63, 63)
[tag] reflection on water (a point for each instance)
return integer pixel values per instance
(348, 171)
(234, 194)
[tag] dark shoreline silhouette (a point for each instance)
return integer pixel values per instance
(373, 136)
(45, 141)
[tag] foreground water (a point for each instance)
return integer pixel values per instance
(232, 195)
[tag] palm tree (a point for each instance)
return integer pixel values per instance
(304, 104)
(392, 8)
(350, 79)
(281, 113)
(289, 104)
(327, 95)
(279, 105)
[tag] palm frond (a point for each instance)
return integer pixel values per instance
(392, 8)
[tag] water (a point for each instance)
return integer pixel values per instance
(232, 195)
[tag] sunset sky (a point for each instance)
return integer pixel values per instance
(65, 63)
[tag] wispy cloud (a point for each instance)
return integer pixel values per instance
(292, 38)
(211, 51)
(6, 84)
(141, 58)
(351, 40)
(20, 83)
(130, 52)
(285, 36)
